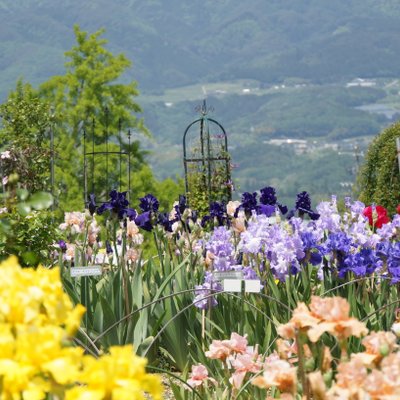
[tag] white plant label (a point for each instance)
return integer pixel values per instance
(221, 275)
(232, 285)
(92, 270)
(252, 286)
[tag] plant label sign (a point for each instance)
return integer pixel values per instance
(232, 285)
(252, 286)
(232, 282)
(221, 275)
(92, 270)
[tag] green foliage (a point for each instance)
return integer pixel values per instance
(207, 165)
(198, 193)
(379, 179)
(89, 96)
(89, 89)
(134, 302)
(27, 227)
(24, 134)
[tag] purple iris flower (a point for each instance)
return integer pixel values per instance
(131, 213)
(63, 245)
(144, 221)
(303, 206)
(339, 244)
(182, 204)
(92, 204)
(248, 204)
(364, 262)
(180, 208)
(149, 203)
(383, 249)
(268, 197)
(163, 219)
(315, 258)
(308, 240)
(338, 241)
(266, 209)
(117, 204)
(109, 249)
(393, 262)
(217, 213)
(313, 251)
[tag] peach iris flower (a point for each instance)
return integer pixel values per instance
(323, 315)
(199, 375)
(279, 373)
(221, 349)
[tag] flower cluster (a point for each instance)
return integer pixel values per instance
(323, 315)
(336, 243)
(81, 232)
(369, 374)
(267, 206)
(221, 258)
(244, 362)
(37, 322)
(235, 354)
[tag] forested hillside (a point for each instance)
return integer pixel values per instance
(272, 69)
(174, 42)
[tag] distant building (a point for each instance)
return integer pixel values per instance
(301, 146)
(359, 82)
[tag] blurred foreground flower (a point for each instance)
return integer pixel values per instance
(37, 359)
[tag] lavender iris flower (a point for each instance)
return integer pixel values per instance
(338, 241)
(202, 291)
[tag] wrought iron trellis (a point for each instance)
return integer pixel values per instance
(114, 161)
(208, 157)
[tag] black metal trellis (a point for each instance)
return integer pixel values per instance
(105, 160)
(206, 157)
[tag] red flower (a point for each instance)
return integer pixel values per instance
(377, 216)
(398, 209)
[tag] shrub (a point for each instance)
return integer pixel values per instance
(379, 179)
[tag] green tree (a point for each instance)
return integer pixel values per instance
(91, 97)
(25, 139)
(379, 178)
(27, 228)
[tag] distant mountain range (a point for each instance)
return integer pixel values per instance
(178, 42)
(271, 68)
